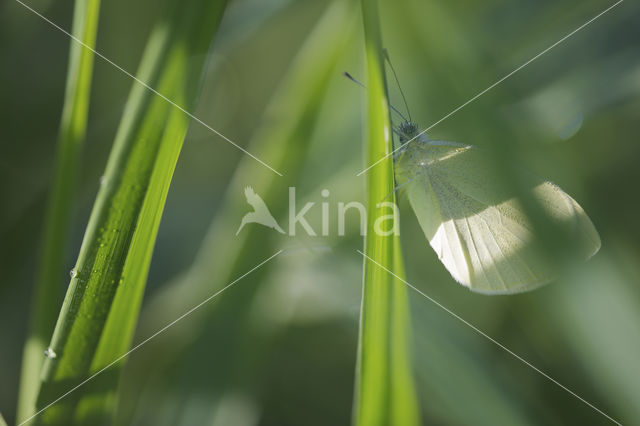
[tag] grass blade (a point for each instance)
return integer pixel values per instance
(282, 138)
(51, 274)
(385, 393)
(283, 141)
(101, 306)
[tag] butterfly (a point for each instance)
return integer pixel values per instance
(475, 223)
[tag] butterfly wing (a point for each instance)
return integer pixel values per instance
(476, 226)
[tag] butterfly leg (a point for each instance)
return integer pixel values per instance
(396, 189)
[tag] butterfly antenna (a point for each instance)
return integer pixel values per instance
(352, 78)
(394, 109)
(395, 76)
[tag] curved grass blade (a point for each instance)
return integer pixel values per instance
(101, 306)
(384, 393)
(51, 276)
(282, 140)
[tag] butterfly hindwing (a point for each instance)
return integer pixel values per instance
(476, 226)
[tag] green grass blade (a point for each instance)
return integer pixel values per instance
(405, 408)
(51, 275)
(283, 141)
(385, 393)
(101, 306)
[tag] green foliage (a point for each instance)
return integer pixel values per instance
(100, 310)
(385, 392)
(49, 282)
(280, 346)
(282, 140)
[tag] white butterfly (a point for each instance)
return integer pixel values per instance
(475, 224)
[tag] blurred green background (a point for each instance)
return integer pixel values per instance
(571, 116)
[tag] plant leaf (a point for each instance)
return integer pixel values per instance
(102, 303)
(50, 272)
(282, 140)
(385, 393)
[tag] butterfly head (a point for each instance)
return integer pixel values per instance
(407, 131)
